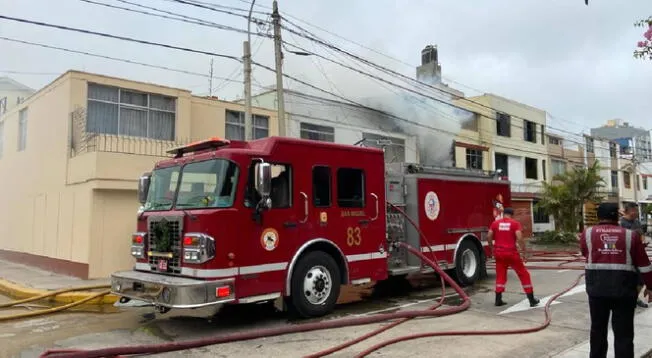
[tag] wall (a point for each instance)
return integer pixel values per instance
(348, 121)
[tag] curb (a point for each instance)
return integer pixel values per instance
(18, 292)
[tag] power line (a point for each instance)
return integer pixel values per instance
(224, 7)
(111, 58)
(179, 17)
(130, 39)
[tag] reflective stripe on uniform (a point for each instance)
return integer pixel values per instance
(589, 244)
(645, 269)
(628, 245)
(610, 267)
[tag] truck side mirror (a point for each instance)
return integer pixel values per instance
(143, 187)
(263, 180)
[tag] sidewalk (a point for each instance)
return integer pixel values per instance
(642, 342)
(20, 281)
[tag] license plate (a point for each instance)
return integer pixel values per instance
(162, 265)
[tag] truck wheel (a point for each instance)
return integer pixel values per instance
(315, 285)
(467, 263)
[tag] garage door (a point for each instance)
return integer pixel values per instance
(523, 213)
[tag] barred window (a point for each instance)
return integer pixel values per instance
(317, 132)
(113, 110)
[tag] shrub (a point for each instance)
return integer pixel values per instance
(556, 237)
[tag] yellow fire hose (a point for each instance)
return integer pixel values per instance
(53, 309)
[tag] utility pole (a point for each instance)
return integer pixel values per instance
(278, 54)
(210, 80)
(246, 59)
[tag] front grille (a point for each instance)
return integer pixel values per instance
(175, 229)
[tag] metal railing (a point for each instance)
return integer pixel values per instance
(82, 141)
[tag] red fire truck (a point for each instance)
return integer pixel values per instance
(291, 220)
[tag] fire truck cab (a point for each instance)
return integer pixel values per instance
(227, 222)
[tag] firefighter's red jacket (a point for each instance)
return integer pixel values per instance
(614, 258)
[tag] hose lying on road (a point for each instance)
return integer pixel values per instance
(404, 315)
(53, 309)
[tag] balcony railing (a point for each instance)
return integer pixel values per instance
(82, 141)
(526, 187)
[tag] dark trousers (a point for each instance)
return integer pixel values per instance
(622, 323)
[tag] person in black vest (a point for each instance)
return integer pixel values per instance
(614, 258)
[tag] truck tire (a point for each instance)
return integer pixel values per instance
(468, 264)
(315, 285)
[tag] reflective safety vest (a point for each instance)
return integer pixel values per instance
(614, 258)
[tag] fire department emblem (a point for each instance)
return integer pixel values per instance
(431, 205)
(269, 239)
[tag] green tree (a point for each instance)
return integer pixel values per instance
(644, 47)
(565, 198)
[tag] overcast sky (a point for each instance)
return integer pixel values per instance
(572, 60)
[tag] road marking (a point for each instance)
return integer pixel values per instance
(525, 304)
(560, 271)
(399, 307)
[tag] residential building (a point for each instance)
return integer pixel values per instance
(318, 118)
(632, 140)
(509, 136)
(72, 156)
(12, 93)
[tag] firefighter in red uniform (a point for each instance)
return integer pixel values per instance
(507, 233)
(614, 257)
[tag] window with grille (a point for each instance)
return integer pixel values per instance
(317, 132)
(473, 159)
(119, 111)
(235, 128)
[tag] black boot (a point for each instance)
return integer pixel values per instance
(533, 300)
(499, 299)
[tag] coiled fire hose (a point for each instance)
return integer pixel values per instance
(404, 315)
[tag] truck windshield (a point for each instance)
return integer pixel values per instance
(205, 184)
(208, 184)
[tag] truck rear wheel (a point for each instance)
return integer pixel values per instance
(315, 285)
(467, 263)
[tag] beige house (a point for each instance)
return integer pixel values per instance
(72, 154)
(509, 136)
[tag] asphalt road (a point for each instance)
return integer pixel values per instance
(133, 326)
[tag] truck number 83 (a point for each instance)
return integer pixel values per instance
(353, 236)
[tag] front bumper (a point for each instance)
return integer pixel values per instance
(171, 291)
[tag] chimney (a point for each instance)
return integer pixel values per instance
(430, 70)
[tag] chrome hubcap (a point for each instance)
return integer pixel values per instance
(317, 285)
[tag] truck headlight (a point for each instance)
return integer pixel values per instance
(198, 248)
(138, 245)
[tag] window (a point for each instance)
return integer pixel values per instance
(113, 110)
(613, 151)
(235, 127)
(162, 187)
(501, 163)
(557, 167)
(627, 180)
(316, 132)
(473, 158)
(503, 125)
(589, 145)
(644, 183)
(394, 148)
(531, 171)
(321, 186)
(22, 129)
(529, 131)
(281, 194)
(539, 215)
(2, 137)
(471, 124)
(543, 169)
(350, 188)
(554, 140)
(543, 134)
(614, 179)
(208, 184)
(638, 182)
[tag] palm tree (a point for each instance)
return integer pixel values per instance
(565, 198)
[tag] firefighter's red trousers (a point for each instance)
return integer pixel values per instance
(503, 261)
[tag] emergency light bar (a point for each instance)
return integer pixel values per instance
(211, 143)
